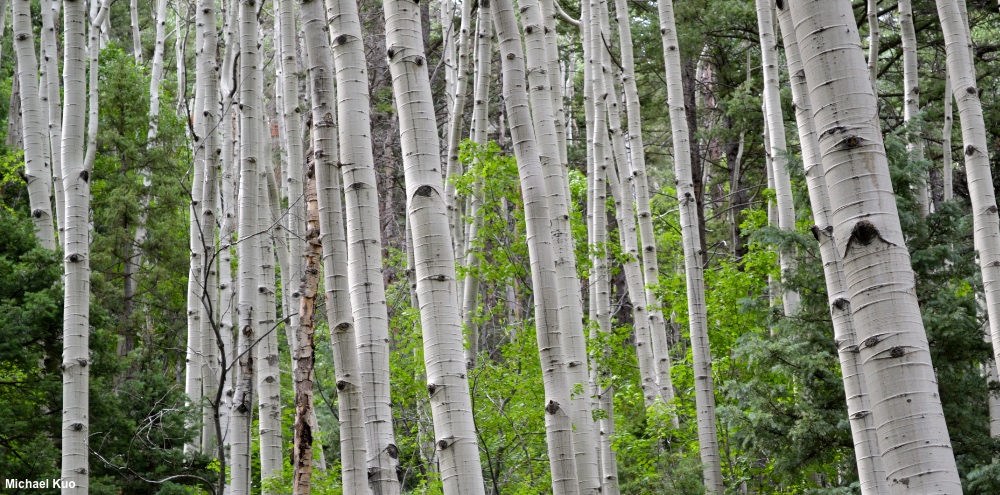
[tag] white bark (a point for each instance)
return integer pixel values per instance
(268, 379)
(354, 460)
(701, 351)
(640, 184)
(911, 99)
(248, 245)
(52, 99)
(873, 44)
(364, 276)
(133, 9)
(986, 222)
(36, 169)
(455, 125)
(480, 111)
(948, 188)
(893, 349)
(558, 422)
(871, 472)
(447, 384)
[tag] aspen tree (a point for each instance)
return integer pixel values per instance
(911, 98)
(543, 117)
(640, 184)
(207, 90)
(133, 9)
(250, 89)
(906, 409)
(36, 169)
(871, 472)
(455, 125)
(268, 380)
(3, 24)
(948, 188)
(364, 248)
(558, 420)
(354, 461)
(52, 99)
(986, 222)
(778, 149)
(480, 110)
(874, 39)
(701, 350)
(447, 384)
(304, 352)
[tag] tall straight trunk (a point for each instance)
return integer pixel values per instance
(248, 245)
(50, 96)
(873, 44)
(986, 222)
(948, 188)
(537, 212)
(36, 169)
(689, 214)
(870, 469)
(778, 152)
(304, 352)
(911, 99)
(350, 404)
(447, 385)
(364, 248)
(540, 91)
(76, 257)
(640, 184)
(455, 126)
(893, 349)
(3, 22)
(207, 90)
(480, 114)
(992, 381)
(268, 374)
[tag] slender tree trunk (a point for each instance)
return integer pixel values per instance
(977, 161)
(480, 111)
(948, 192)
(871, 472)
(248, 244)
(778, 150)
(354, 462)
(911, 99)
(558, 422)
(640, 184)
(36, 169)
(3, 25)
(447, 384)
(893, 349)
(873, 44)
(133, 9)
(693, 255)
(304, 353)
(208, 91)
(455, 126)
(268, 373)
(50, 66)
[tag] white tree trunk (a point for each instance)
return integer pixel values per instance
(480, 111)
(893, 349)
(948, 188)
(701, 351)
(871, 472)
(367, 290)
(354, 461)
(76, 257)
(873, 44)
(36, 169)
(455, 126)
(558, 422)
(268, 378)
(133, 9)
(447, 384)
(977, 161)
(248, 244)
(640, 184)
(911, 99)
(50, 96)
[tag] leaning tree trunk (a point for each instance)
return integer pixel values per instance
(913, 436)
(977, 160)
(364, 248)
(640, 182)
(778, 150)
(447, 384)
(701, 351)
(558, 422)
(36, 169)
(871, 472)
(248, 246)
(342, 329)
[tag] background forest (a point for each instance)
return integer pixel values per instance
(782, 421)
